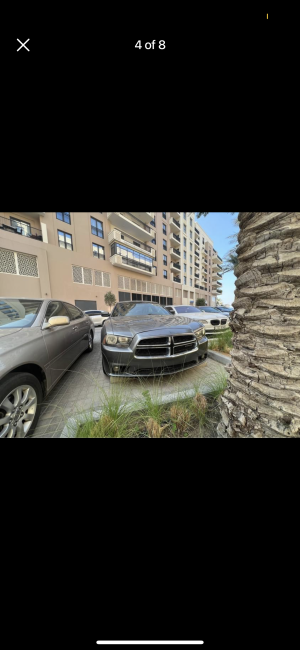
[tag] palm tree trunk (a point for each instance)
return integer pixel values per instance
(263, 395)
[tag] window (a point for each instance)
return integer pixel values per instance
(191, 223)
(153, 241)
(98, 251)
(152, 223)
(191, 259)
(184, 280)
(18, 312)
(164, 245)
(74, 312)
(184, 215)
(164, 229)
(165, 260)
(147, 298)
(202, 240)
(162, 300)
(164, 214)
(22, 227)
(63, 216)
(184, 241)
(56, 308)
(136, 296)
(191, 282)
(65, 240)
(184, 268)
(191, 270)
(191, 235)
(184, 228)
(165, 274)
(184, 255)
(155, 298)
(97, 227)
(169, 301)
(191, 246)
(123, 295)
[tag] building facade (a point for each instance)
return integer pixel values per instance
(79, 256)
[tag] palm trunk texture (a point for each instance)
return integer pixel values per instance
(262, 399)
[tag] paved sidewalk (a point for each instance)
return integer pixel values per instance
(83, 386)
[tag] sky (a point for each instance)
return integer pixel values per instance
(219, 226)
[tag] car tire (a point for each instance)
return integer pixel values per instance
(8, 385)
(90, 343)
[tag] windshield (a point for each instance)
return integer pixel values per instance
(209, 309)
(186, 310)
(18, 313)
(139, 309)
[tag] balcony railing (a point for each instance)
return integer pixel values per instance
(219, 266)
(197, 264)
(132, 258)
(219, 284)
(136, 242)
(220, 275)
(177, 265)
(197, 275)
(197, 286)
(197, 254)
(176, 222)
(214, 250)
(177, 280)
(137, 221)
(176, 237)
(205, 251)
(21, 229)
(197, 231)
(176, 250)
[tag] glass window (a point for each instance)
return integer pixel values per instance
(191, 246)
(164, 214)
(98, 251)
(184, 215)
(164, 229)
(169, 301)
(191, 259)
(184, 228)
(184, 268)
(184, 241)
(191, 235)
(18, 313)
(22, 227)
(165, 260)
(153, 241)
(65, 240)
(191, 222)
(56, 308)
(191, 282)
(208, 309)
(74, 312)
(137, 296)
(131, 257)
(147, 298)
(191, 270)
(155, 298)
(202, 240)
(184, 255)
(184, 280)
(138, 309)
(165, 274)
(186, 310)
(97, 227)
(63, 216)
(164, 245)
(163, 301)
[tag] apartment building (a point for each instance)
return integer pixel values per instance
(79, 256)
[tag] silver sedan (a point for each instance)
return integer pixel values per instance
(39, 341)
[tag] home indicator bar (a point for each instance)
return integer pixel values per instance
(149, 642)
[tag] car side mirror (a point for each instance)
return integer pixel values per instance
(172, 311)
(55, 321)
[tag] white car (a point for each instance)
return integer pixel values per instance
(211, 318)
(97, 316)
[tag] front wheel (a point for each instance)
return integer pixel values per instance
(91, 343)
(21, 397)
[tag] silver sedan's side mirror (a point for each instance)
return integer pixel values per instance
(55, 321)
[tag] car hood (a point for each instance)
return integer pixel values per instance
(208, 316)
(138, 324)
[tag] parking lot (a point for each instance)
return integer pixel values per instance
(83, 387)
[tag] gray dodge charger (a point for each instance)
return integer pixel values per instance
(142, 339)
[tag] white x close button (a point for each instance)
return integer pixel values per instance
(23, 45)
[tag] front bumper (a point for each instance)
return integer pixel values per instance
(130, 366)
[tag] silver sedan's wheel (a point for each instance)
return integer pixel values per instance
(17, 412)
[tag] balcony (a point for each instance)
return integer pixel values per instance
(175, 278)
(12, 225)
(204, 261)
(216, 266)
(145, 217)
(197, 264)
(175, 253)
(219, 291)
(174, 239)
(175, 215)
(175, 266)
(174, 225)
(197, 242)
(197, 275)
(117, 236)
(132, 264)
(197, 254)
(34, 215)
(197, 286)
(130, 224)
(197, 231)
(219, 284)
(220, 275)
(204, 279)
(214, 292)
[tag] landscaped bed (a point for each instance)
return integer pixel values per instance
(184, 417)
(222, 342)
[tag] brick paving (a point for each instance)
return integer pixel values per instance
(84, 386)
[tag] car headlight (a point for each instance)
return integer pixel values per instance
(200, 332)
(111, 339)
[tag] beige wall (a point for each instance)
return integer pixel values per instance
(55, 264)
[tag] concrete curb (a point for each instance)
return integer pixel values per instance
(218, 356)
(71, 427)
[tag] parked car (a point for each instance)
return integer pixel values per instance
(39, 341)
(143, 339)
(210, 317)
(225, 310)
(97, 316)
